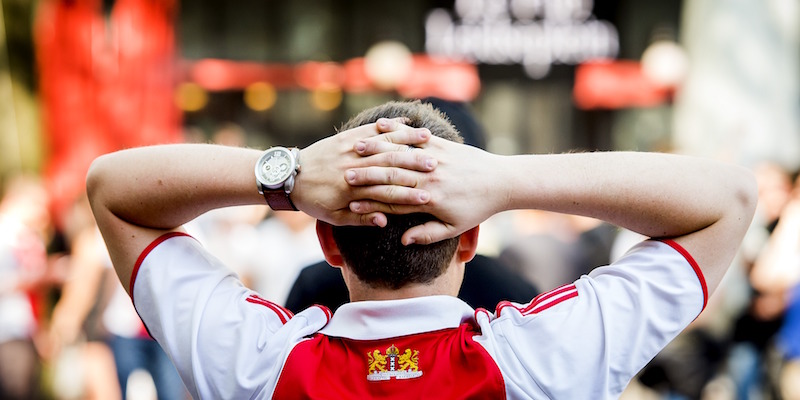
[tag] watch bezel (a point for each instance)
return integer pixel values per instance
(263, 182)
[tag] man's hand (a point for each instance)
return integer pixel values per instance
(460, 178)
(322, 191)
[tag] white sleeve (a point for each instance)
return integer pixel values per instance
(224, 339)
(588, 339)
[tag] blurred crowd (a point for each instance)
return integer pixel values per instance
(68, 331)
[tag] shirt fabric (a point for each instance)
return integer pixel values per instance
(584, 340)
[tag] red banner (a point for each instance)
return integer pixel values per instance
(106, 83)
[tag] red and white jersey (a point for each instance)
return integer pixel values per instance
(584, 340)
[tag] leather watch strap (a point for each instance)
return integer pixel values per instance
(279, 200)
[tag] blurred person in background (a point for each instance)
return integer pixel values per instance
(789, 346)
(749, 362)
(24, 231)
(94, 318)
(550, 249)
(232, 233)
(287, 242)
(84, 364)
(776, 272)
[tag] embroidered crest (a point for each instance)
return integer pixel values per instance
(393, 364)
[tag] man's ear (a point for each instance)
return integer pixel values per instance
(468, 244)
(329, 247)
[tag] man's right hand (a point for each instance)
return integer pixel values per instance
(462, 175)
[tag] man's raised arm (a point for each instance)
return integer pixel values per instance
(139, 194)
(705, 206)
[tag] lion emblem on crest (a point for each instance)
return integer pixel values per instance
(409, 361)
(393, 364)
(376, 361)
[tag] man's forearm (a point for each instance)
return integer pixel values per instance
(704, 205)
(139, 194)
(657, 195)
(164, 187)
(653, 194)
(777, 267)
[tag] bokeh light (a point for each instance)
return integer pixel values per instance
(190, 97)
(260, 96)
(326, 98)
(388, 63)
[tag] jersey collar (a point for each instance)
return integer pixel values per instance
(370, 320)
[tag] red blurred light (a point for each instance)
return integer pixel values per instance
(214, 74)
(356, 79)
(313, 75)
(616, 84)
(457, 81)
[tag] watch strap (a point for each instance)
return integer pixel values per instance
(279, 200)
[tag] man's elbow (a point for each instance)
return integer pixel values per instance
(746, 193)
(96, 179)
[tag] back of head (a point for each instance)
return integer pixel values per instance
(376, 255)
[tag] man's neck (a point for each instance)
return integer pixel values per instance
(449, 283)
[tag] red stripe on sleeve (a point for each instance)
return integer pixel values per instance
(147, 251)
(544, 296)
(694, 265)
(501, 305)
(543, 301)
(552, 303)
(281, 312)
(326, 310)
(482, 310)
(285, 310)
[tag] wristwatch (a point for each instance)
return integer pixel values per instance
(275, 171)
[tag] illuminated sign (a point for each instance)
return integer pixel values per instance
(533, 33)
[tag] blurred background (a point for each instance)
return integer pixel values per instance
(79, 78)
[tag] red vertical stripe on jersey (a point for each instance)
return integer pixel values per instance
(694, 265)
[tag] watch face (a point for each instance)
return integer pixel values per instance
(275, 166)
